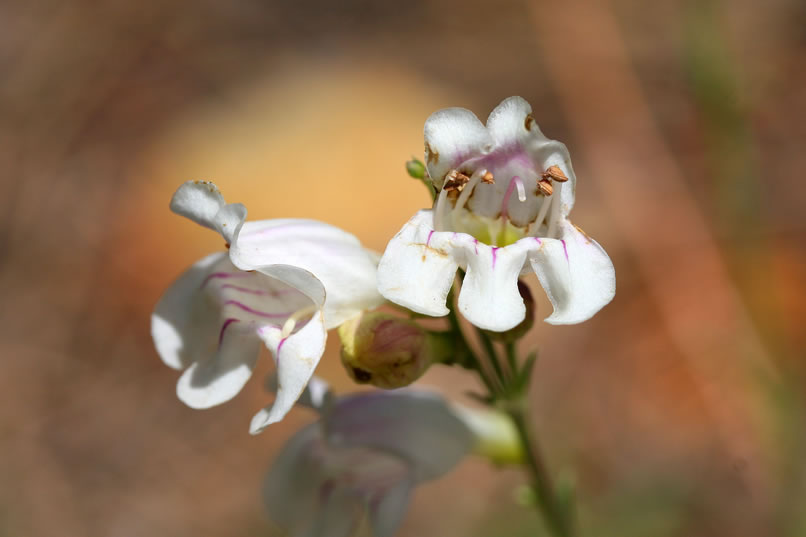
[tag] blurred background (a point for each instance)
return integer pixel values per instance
(677, 411)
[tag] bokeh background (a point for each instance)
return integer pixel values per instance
(677, 411)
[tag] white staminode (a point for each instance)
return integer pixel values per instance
(483, 228)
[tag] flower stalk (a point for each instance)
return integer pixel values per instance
(509, 393)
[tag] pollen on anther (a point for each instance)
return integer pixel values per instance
(544, 187)
(554, 172)
(455, 181)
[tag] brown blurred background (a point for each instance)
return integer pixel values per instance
(677, 411)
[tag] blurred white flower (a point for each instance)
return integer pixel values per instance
(505, 191)
(361, 460)
(283, 284)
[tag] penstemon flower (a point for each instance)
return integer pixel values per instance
(504, 194)
(283, 284)
(365, 455)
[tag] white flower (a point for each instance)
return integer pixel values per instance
(362, 459)
(505, 191)
(284, 284)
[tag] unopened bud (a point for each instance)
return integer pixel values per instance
(415, 168)
(514, 334)
(387, 351)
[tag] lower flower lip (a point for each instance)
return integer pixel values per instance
(418, 269)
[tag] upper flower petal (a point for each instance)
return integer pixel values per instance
(512, 126)
(415, 426)
(452, 135)
(335, 257)
(508, 123)
(576, 273)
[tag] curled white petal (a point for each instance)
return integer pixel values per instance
(297, 354)
(336, 258)
(199, 201)
(576, 273)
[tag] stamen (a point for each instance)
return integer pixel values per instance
(513, 183)
(439, 210)
(556, 207)
(544, 187)
(477, 176)
(554, 172)
(455, 180)
(541, 214)
(291, 322)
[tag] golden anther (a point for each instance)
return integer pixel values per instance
(528, 122)
(544, 187)
(555, 173)
(455, 181)
(488, 178)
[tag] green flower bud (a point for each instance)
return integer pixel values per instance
(495, 432)
(388, 351)
(514, 334)
(415, 168)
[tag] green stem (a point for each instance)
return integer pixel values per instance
(557, 519)
(512, 358)
(467, 351)
(489, 350)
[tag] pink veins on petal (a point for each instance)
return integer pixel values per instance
(259, 313)
(495, 254)
(224, 328)
(220, 275)
(260, 292)
(565, 249)
(428, 240)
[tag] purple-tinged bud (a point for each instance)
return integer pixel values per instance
(388, 351)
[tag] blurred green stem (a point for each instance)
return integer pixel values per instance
(557, 518)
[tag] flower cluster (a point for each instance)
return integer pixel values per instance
(502, 195)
